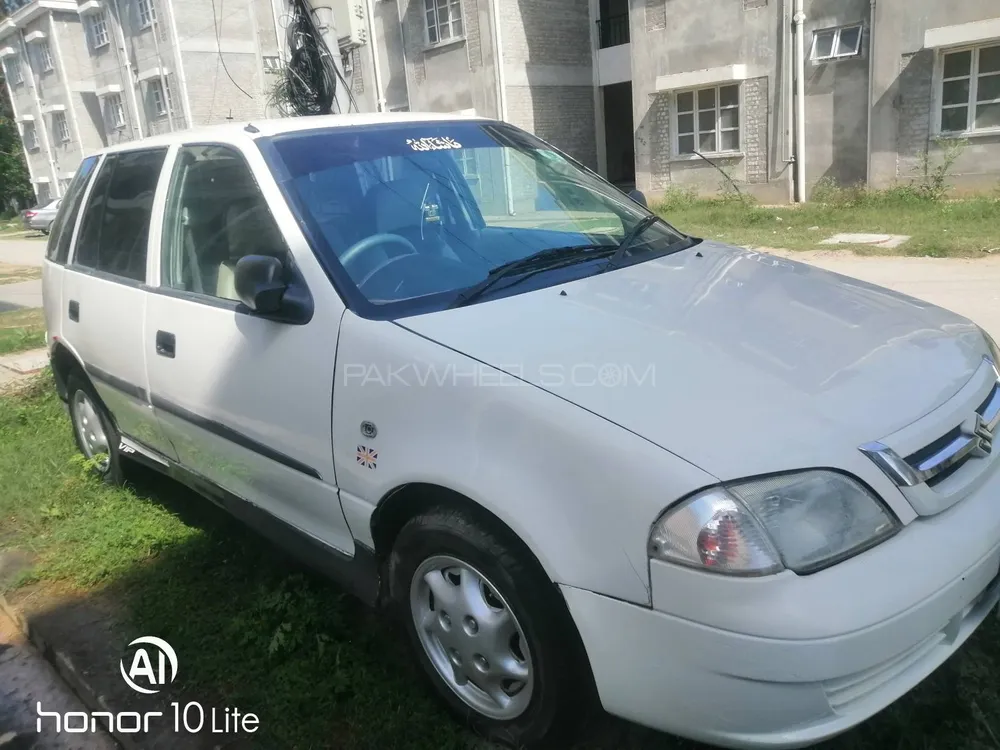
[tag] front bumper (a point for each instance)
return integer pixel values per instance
(743, 691)
(787, 661)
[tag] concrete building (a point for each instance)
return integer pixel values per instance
(650, 93)
(637, 89)
(83, 74)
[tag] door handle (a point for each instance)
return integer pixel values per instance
(166, 344)
(74, 310)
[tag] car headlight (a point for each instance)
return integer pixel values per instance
(994, 349)
(803, 522)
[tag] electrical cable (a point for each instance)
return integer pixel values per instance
(218, 41)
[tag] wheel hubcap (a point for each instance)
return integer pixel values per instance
(90, 429)
(472, 637)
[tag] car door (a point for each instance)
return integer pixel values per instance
(246, 401)
(103, 297)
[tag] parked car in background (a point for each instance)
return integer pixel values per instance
(40, 218)
(581, 455)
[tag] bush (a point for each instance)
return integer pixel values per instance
(676, 197)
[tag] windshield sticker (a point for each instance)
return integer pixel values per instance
(433, 144)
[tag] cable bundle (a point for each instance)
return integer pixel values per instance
(309, 86)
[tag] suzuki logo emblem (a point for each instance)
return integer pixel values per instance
(985, 435)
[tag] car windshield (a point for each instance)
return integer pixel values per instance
(420, 210)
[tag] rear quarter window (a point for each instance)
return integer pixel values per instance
(61, 234)
(114, 230)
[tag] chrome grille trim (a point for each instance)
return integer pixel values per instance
(975, 439)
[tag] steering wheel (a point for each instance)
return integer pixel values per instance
(356, 250)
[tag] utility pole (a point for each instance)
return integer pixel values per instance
(322, 11)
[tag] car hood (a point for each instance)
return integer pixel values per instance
(738, 361)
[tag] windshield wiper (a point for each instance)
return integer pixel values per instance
(544, 260)
(631, 237)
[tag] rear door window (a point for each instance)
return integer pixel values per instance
(61, 234)
(114, 234)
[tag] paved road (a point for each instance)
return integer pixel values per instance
(969, 287)
(26, 680)
(23, 294)
(21, 253)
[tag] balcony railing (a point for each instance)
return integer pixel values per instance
(613, 30)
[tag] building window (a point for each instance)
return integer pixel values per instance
(147, 13)
(444, 20)
(60, 126)
(115, 111)
(468, 162)
(97, 30)
(162, 102)
(834, 44)
(13, 67)
(29, 136)
(272, 63)
(970, 90)
(45, 57)
(708, 120)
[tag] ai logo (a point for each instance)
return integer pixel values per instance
(149, 665)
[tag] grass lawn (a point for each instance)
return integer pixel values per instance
(967, 228)
(319, 669)
(21, 330)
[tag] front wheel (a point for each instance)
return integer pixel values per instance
(489, 629)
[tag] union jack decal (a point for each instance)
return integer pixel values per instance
(367, 457)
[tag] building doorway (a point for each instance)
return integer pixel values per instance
(619, 134)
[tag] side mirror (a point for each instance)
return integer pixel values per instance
(639, 197)
(260, 284)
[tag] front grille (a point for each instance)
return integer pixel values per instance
(946, 455)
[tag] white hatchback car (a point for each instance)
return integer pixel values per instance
(577, 451)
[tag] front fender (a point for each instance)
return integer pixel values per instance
(580, 491)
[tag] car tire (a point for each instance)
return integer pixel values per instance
(514, 637)
(93, 429)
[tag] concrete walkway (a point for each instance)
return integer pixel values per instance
(15, 368)
(27, 680)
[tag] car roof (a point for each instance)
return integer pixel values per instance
(237, 131)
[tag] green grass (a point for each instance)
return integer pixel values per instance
(319, 669)
(965, 228)
(21, 330)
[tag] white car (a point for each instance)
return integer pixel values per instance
(579, 453)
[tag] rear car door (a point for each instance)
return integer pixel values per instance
(103, 297)
(246, 401)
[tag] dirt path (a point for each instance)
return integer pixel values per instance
(969, 287)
